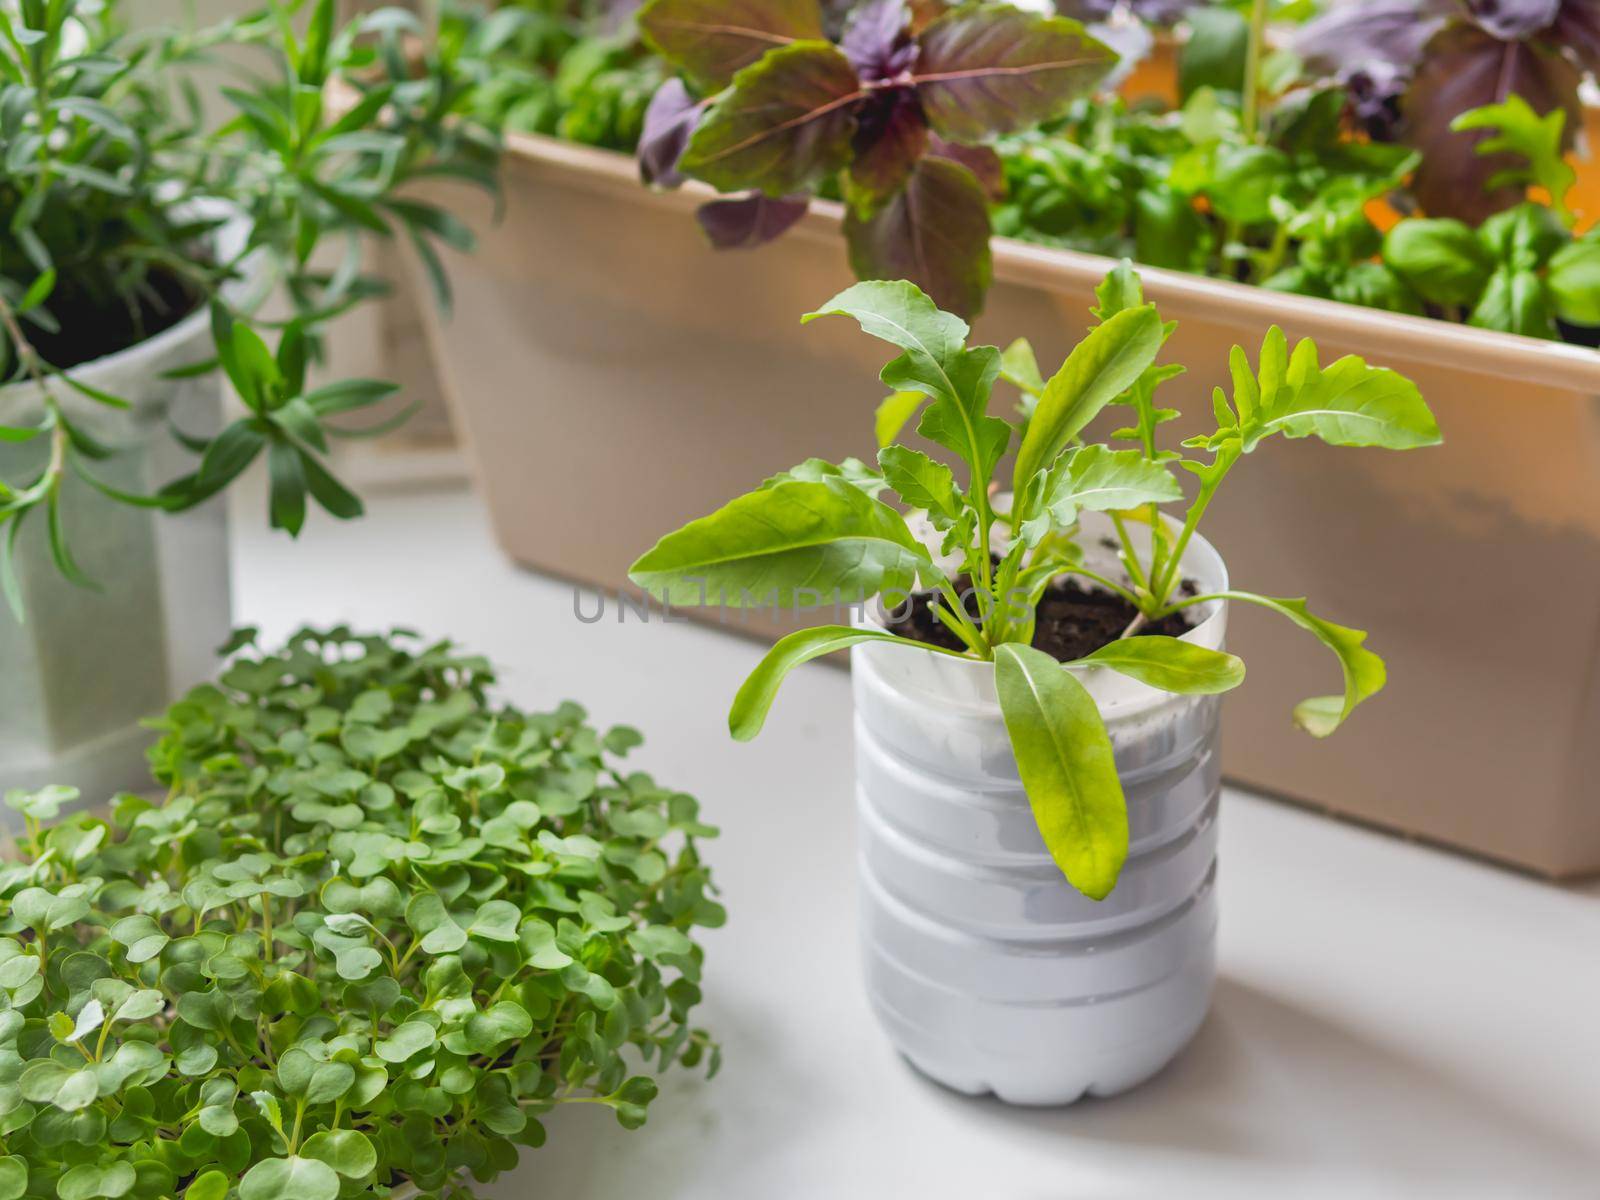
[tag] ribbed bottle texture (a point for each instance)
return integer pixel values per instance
(990, 972)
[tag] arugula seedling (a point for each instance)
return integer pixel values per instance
(821, 533)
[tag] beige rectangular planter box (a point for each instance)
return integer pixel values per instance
(614, 377)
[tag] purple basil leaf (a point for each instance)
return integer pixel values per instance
(712, 40)
(1374, 97)
(1382, 40)
(835, 16)
(1514, 20)
(1578, 29)
(668, 122)
(1086, 10)
(890, 137)
(1164, 13)
(615, 15)
(934, 232)
(877, 42)
(787, 123)
(749, 221)
(985, 165)
(1466, 68)
(926, 12)
(989, 70)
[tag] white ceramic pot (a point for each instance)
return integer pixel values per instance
(87, 666)
(989, 971)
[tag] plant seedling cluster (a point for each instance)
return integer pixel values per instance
(376, 929)
(822, 533)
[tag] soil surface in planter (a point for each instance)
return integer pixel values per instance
(1073, 623)
(92, 329)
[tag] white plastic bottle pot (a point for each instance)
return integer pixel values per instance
(989, 971)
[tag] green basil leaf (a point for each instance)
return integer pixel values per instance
(1516, 301)
(1443, 260)
(1574, 282)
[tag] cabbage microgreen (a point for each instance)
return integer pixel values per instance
(377, 926)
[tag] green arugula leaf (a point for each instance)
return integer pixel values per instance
(1540, 141)
(756, 695)
(901, 314)
(794, 544)
(1064, 756)
(1348, 404)
(1171, 665)
(1019, 367)
(1102, 367)
(921, 482)
(895, 413)
(1364, 672)
(1097, 479)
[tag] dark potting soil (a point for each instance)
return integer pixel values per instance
(91, 329)
(1580, 335)
(1073, 623)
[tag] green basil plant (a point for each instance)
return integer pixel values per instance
(573, 69)
(1523, 270)
(821, 532)
(374, 928)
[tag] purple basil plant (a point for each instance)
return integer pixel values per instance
(896, 111)
(1414, 66)
(1161, 13)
